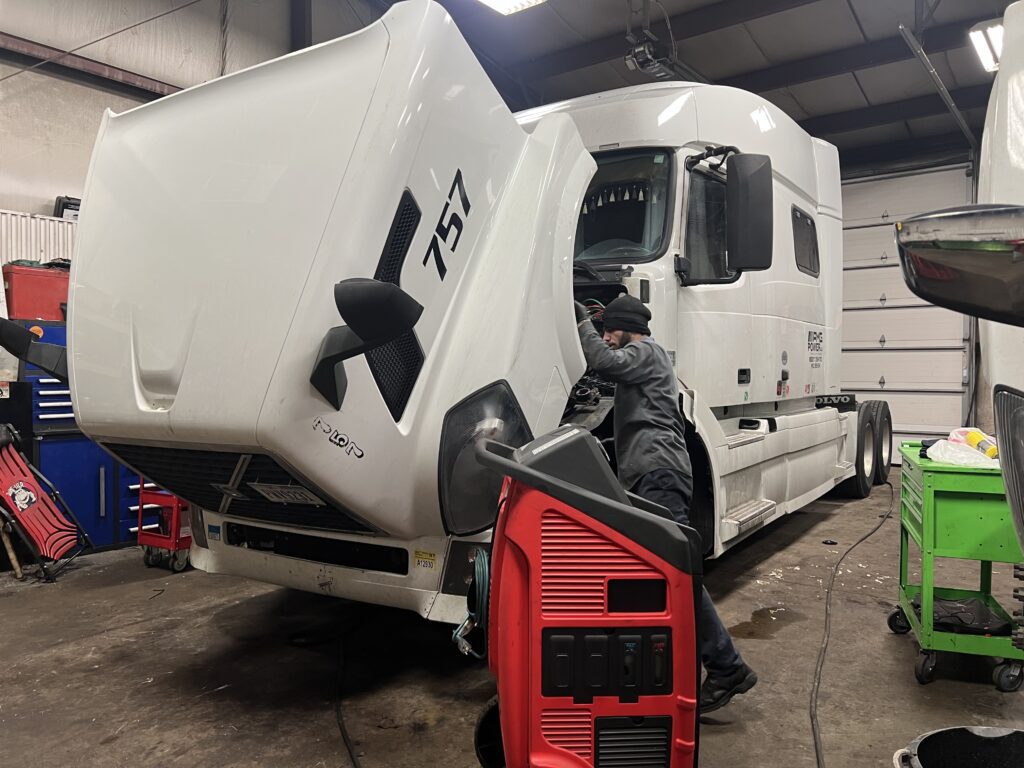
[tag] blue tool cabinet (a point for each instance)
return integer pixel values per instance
(102, 492)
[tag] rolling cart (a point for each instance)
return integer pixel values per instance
(167, 542)
(956, 512)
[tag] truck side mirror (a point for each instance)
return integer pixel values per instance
(968, 259)
(748, 201)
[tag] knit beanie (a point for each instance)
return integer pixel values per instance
(627, 313)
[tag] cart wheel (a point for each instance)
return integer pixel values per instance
(898, 622)
(924, 667)
(490, 750)
(178, 561)
(150, 558)
(1008, 676)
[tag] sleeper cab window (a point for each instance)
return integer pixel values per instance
(805, 242)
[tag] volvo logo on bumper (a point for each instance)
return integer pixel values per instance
(287, 494)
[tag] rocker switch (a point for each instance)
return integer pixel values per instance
(596, 647)
(659, 650)
(629, 654)
(561, 656)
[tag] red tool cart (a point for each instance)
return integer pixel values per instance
(166, 543)
(36, 292)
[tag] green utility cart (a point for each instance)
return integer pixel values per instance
(958, 512)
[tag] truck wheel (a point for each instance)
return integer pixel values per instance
(883, 441)
(859, 486)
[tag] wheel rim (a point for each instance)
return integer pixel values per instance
(869, 451)
(886, 456)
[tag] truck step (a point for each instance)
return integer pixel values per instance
(746, 517)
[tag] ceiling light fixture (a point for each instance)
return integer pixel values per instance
(987, 38)
(507, 7)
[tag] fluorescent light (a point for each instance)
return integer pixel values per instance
(987, 38)
(988, 61)
(995, 37)
(507, 7)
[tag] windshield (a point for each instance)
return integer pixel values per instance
(625, 211)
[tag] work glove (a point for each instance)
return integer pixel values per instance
(581, 312)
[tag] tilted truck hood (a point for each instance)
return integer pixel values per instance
(217, 221)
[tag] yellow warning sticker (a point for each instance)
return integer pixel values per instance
(425, 559)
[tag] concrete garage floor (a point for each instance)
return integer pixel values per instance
(120, 665)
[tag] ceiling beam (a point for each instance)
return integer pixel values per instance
(904, 150)
(929, 105)
(934, 40)
(300, 18)
(726, 13)
(54, 60)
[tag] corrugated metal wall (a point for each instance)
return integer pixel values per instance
(36, 238)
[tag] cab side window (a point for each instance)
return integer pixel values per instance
(805, 242)
(705, 228)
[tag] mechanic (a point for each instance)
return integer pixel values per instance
(653, 461)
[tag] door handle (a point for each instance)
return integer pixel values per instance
(103, 491)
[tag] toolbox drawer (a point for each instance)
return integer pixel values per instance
(964, 508)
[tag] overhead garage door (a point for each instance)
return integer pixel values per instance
(897, 347)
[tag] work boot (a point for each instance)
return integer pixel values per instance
(718, 691)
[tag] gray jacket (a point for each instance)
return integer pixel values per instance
(648, 425)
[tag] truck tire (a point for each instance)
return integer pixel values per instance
(859, 486)
(883, 441)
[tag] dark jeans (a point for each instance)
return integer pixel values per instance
(673, 490)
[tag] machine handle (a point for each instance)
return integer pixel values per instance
(676, 544)
(103, 491)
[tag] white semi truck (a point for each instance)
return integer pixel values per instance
(304, 292)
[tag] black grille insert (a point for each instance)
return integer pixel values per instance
(203, 477)
(633, 742)
(403, 228)
(396, 365)
(348, 554)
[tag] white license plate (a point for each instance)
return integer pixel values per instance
(287, 494)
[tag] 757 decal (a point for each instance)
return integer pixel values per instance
(448, 223)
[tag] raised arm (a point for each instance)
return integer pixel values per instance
(628, 365)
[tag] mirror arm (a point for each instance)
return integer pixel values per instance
(682, 266)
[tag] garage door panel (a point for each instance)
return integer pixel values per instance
(903, 328)
(925, 370)
(885, 201)
(930, 413)
(877, 288)
(870, 247)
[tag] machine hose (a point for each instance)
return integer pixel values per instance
(478, 604)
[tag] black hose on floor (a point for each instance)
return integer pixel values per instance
(819, 751)
(339, 714)
(303, 640)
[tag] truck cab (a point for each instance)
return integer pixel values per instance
(754, 348)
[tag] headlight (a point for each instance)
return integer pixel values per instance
(468, 490)
(1009, 408)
